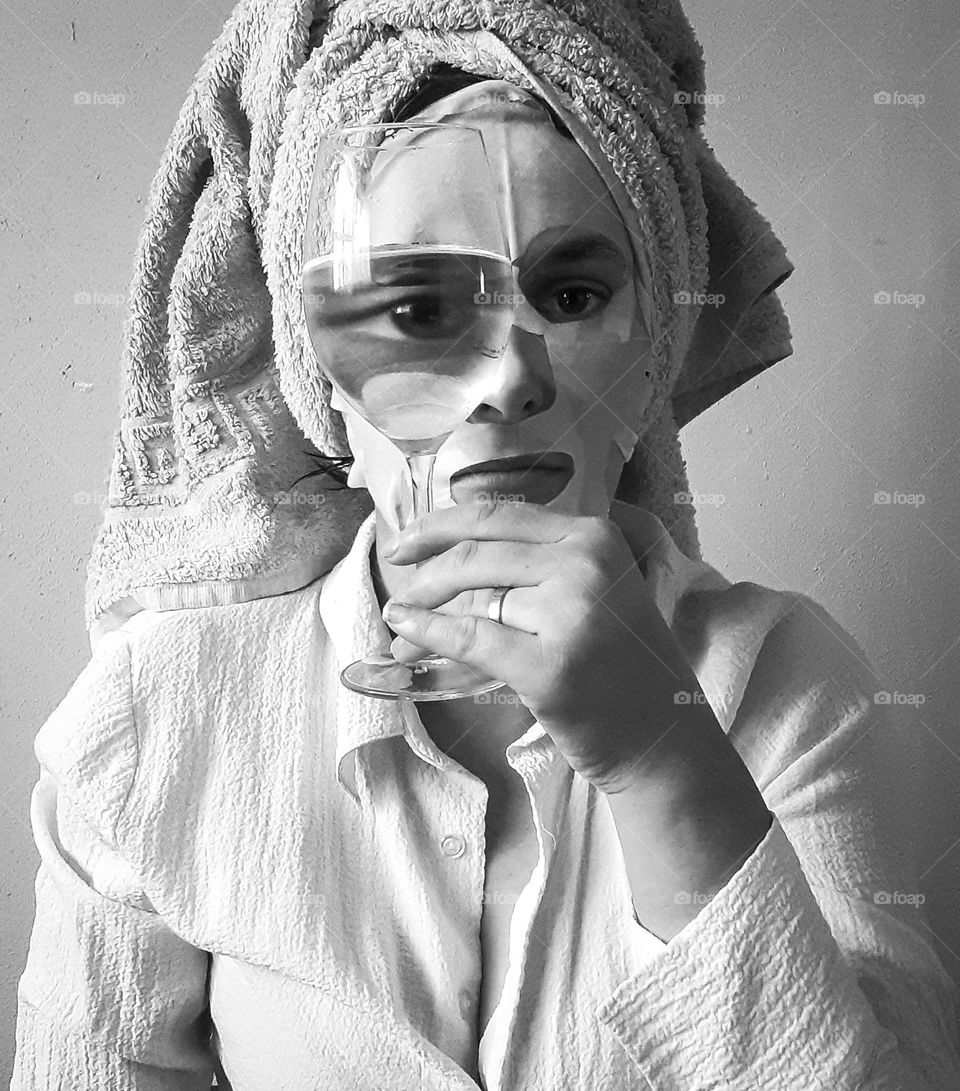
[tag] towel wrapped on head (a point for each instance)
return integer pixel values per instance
(223, 407)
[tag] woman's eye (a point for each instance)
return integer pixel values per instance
(573, 302)
(427, 317)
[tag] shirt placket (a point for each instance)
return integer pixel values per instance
(545, 776)
(441, 815)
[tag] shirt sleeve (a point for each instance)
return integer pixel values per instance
(110, 999)
(814, 966)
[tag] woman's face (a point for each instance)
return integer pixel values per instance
(553, 426)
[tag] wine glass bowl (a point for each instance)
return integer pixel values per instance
(408, 319)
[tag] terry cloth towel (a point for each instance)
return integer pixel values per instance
(223, 408)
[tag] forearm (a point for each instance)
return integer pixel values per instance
(110, 999)
(792, 974)
(688, 817)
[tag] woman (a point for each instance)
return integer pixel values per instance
(657, 859)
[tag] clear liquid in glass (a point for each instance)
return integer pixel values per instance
(412, 335)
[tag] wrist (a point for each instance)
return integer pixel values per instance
(683, 840)
(700, 799)
(693, 752)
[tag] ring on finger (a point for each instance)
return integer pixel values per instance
(495, 605)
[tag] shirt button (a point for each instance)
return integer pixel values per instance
(452, 845)
(465, 999)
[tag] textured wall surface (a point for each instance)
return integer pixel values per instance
(835, 473)
(790, 468)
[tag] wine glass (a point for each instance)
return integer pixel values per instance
(409, 320)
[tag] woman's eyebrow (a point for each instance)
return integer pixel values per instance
(573, 248)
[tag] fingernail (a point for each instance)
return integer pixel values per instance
(395, 611)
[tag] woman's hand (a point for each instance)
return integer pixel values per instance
(583, 643)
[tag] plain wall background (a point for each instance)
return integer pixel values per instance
(864, 195)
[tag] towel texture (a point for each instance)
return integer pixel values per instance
(222, 404)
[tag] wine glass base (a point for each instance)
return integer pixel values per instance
(433, 678)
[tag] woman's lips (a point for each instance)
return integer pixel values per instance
(532, 478)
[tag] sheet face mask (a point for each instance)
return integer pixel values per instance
(590, 373)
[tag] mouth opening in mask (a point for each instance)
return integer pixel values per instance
(534, 478)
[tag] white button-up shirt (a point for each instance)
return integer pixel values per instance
(242, 859)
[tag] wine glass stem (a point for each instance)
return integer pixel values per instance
(421, 475)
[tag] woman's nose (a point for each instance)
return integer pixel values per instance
(523, 385)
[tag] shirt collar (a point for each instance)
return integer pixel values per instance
(350, 614)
